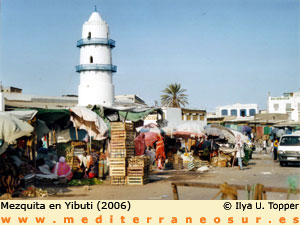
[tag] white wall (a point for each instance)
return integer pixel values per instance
(101, 54)
(282, 102)
(174, 117)
(98, 29)
(2, 105)
(237, 107)
(95, 87)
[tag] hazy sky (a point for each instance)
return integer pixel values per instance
(222, 52)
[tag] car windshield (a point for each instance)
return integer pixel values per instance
(290, 140)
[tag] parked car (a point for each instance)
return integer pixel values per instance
(289, 149)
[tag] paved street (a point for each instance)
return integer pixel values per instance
(262, 169)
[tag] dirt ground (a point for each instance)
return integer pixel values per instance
(262, 169)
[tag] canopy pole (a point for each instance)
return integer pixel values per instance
(90, 139)
(35, 142)
(125, 117)
(76, 133)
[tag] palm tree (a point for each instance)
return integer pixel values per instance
(174, 96)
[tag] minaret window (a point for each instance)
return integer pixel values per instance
(89, 35)
(91, 59)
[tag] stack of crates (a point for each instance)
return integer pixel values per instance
(138, 170)
(121, 148)
(169, 164)
(199, 163)
(178, 162)
(71, 157)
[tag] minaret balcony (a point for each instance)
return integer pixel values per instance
(96, 41)
(101, 67)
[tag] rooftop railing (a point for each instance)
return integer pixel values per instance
(96, 41)
(102, 67)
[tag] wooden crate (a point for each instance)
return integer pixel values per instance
(178, 159)
(121, 144)
(178, 166)
(138, 171)
(199, 163)
(117, 171)
(178, 162)
(117, 167)
(122, 134)
(118, 180)
(139, 161)
(171, 159)
(117, 162)
(137, 180)
(121, 126)
(122, 153)
(72, 162)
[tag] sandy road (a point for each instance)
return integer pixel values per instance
(262, 169)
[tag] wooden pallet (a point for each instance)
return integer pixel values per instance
(117, 171)
(178, 160)
(191, 166)
(199, 163)
(72, 162)
(118, 180)
(121, 126)
(178, 166)
(138, 171)
(122, 153)
(138, 161)
(121, 144)
(122, 134)
(137, 180)
(117, 166)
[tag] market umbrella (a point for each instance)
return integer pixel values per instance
(149, 128)
(11, 128)
(246, 129)
(222, 128)
(244, 138)
(24, 115)
(228, 134)
(189, 130)
(210, 131)
(150, 138)
(280, 132)
(41, 128)
(188, 134)
(168, 130)
(88, 120)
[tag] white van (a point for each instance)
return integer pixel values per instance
(289, 149)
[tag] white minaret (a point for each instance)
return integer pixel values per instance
(95, 67)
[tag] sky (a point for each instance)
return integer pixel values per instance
(222, 52)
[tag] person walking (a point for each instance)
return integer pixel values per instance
(239, 147)
(275, 149)
(264, 146)
(160, 155)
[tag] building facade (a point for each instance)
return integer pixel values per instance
(238, 110)
(178, 116)
(289, 104)
(95, 69)
(12, 98)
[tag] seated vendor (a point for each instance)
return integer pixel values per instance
(42, 166)
(92, 164)
(9, 176)
(62, 169)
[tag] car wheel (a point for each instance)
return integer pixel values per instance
(282, 164)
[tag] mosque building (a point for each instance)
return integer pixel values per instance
(96, 68)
